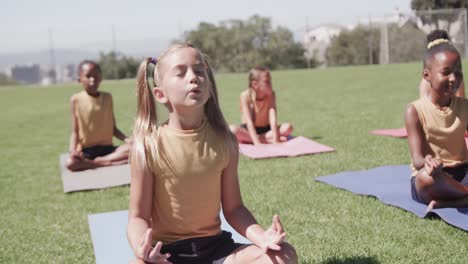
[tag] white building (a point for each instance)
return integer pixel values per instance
(317, 40)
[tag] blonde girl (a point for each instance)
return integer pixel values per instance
(185, 170)
(258, 112)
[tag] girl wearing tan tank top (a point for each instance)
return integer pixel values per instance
(185, 170)
(436, 124)
(93, 125)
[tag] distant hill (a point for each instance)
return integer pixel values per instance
(135, 48)
(62, 56)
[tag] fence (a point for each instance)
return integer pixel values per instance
(403, 36)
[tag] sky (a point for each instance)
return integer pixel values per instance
(88, 24)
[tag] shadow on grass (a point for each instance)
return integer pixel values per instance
(350, 260)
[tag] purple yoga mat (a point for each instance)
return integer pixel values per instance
(391, 185)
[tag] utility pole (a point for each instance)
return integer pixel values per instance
(307, 56)
(371, 59)
(114, 53)
(52, 74)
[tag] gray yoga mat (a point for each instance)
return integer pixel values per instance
(391, 185)
(92, 179)
(108, 233)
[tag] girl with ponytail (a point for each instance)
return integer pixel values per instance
(184, 171)
(436, 125)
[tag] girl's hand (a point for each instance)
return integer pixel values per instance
(273, 236)
(75, 154)
(432, 165)
(148, 254)
(257, 143)
(128, 140)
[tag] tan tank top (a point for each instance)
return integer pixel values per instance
(187, 187)
(95, 119)
(444, 130)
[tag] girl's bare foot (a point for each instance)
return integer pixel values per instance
(432, 205)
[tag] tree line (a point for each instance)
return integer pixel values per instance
(236, 45)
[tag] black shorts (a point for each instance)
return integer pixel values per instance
(260, 130)
(458, 173)
(201, 250)
(98, 151)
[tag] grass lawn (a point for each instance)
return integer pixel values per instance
(337, 107)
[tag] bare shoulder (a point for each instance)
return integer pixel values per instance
(411, 113)
(73, 99)
(245, 95)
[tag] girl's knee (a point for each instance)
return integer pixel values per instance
(286, 129)
(71, 164)
(254, 254)
(124, 149)
(286, 255)
(233, 129)
(424, 185)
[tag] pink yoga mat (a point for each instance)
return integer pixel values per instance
(395, 132)
(293, 147)
(400, 133)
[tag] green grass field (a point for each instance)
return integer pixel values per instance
(337, 107)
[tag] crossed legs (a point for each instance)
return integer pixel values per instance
(439, 189)
(243, 135)
(77, 162)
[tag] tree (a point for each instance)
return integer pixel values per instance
(5, 80)
(437, 4)
(117, 66)
(354, 47)
(436, 18)
(406, 43)
(237, 45)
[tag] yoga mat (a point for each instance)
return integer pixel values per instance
(395, 132)
(94, 178)
(391, 185)
(293, 147)
(109, 236)
(400, 133)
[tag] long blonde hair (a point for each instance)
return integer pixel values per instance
(146, 122)
(254, 75)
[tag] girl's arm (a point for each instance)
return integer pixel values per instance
(239, 217)
(415, 137)
(117, 133)
(139, 233)
(273, 119)
(74, 131)
(244, 99)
